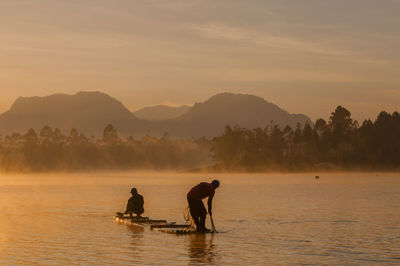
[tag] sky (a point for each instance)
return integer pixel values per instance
(306, 56)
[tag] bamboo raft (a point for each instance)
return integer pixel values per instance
(158, 225)
(169, 225)
(140, 220)
(185, 231)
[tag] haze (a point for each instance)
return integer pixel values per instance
(306, 56)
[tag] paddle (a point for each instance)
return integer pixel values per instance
(212, 225)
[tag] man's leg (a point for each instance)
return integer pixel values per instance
(194, 211)
(196, 220)
(202, 222)
(139, 212)
(202, 217)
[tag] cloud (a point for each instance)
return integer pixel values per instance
(354, 48)
(285, 74)
(215, 31)
(261, 38)
(390, 93)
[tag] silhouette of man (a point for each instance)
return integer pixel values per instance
(135, 204)
(197, 209)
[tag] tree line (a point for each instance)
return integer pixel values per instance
(337, 144)
(50, 150)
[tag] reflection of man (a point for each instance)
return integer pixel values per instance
(135, 204)
(197, 209)
(201, 250)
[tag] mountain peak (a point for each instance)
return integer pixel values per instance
(90, 110)
(229, 99)
(242, 110)
(236, 106)
(22, 104)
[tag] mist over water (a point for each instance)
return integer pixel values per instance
(263, 219)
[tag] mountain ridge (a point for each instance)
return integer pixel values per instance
(90, 112)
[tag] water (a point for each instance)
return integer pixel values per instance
(266, 219)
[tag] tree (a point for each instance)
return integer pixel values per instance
(110, 134)
(341, 124)
(31, 150)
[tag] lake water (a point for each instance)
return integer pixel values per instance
(265, 219)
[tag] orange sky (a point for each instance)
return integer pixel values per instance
(305, 56)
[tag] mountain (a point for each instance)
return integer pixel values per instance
(161, 112)
(210, 118)
(90, 112)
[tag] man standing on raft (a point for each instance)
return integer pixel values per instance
(197, 209)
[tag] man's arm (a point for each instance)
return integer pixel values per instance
(128, 206)
(141, 201)
(209, 203)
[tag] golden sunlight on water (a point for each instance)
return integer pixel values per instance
(263, 219)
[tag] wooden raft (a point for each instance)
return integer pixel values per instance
(159, 225)
(137, 220)
(171, 225)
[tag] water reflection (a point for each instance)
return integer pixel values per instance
(136, 246)
(202, 249)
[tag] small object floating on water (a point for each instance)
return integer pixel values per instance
(317, 177)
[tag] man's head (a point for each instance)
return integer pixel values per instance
(215, 183)
(133, 191)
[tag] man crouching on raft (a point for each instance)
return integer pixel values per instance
(135, 204)
(197, 209)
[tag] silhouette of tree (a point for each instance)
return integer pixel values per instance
(341, 125)
(340, 142)
(32, 150)
(110, 134)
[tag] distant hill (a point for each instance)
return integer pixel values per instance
(212, 116)
(90, 112)
(161, 112)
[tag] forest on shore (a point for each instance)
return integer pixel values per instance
(337, 144)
